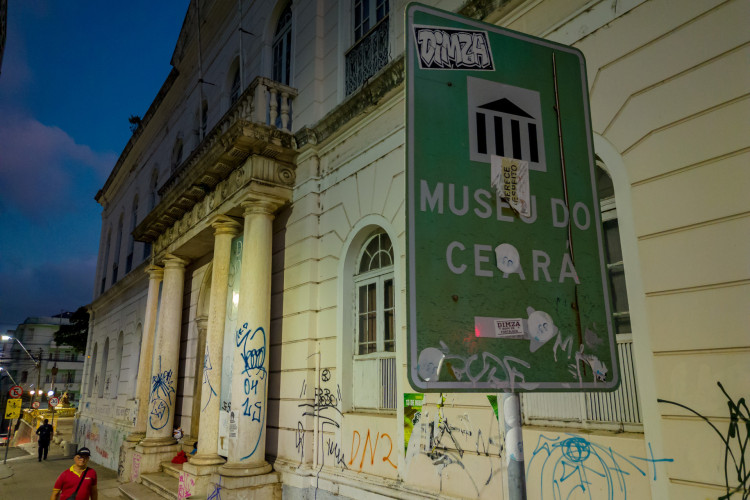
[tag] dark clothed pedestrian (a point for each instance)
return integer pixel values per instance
(78, 482)
(45, 432)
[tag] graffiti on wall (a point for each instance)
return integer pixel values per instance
(568, 465)
(186, 486)
(206, 379)
(446, 442)
(735, 443)
(135, 470)
(251, 345)
(103, 441)
(162, 388)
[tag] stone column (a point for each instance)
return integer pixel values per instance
(225, 229)
(166, 357)
(206, 460)
(247, 427)
(143, 383)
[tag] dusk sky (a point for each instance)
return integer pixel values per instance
(72, 74)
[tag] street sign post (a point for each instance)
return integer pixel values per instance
(13, 408)
(506, 284)
(15, 392)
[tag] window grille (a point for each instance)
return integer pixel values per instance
(368, 56)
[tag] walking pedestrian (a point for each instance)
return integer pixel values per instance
(78, 482)
(45, 432)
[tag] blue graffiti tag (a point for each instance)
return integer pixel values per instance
(253, 357)
(206, 381)
(216, 493)
(161, 398)
(575, 464)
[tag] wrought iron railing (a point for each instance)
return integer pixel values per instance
(368, 56)
(619, 410)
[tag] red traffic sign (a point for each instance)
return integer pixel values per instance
(35, 404)
(53, 401)
(15, 391)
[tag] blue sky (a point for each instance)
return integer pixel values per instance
(72, 74)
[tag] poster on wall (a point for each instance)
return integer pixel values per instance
(412, 414)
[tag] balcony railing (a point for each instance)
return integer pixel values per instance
(618, 410)
(368, 56)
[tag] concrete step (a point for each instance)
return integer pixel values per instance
(135, 491)
(161, 483)
(171, 469)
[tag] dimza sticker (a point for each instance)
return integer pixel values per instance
(445, 48)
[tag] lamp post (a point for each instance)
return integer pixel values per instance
(37, 363)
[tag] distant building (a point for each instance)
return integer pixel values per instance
(251, 281)
(61, 368)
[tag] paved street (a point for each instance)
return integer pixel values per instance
(24, 477)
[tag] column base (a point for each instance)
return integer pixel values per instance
(151, 442)
(202, 459)
(148, 458)
(125, 467)
(239, 469)
(198, 477)
(135, 437)
(263, 486)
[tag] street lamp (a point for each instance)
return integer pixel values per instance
(37, 363)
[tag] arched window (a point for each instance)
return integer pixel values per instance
(176, 159)
(282, 47)
(103, 369)
(131, 239)
(105, 260)
(135, 358)
(92, 372)
(118, 245)
(115, 378)
(613, 256)
(234, 88)
(374, 335)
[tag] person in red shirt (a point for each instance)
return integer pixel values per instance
(79, 473)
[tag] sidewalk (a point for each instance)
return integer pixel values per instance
(25, 477)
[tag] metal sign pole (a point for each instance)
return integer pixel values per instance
(7, 443)
(514, 446)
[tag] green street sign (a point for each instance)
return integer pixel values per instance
(506, 284)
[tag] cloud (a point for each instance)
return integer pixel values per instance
(45, 289)
(41, 166)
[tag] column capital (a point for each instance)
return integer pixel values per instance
(172, 261)
(155, 272)
(261, 204)
(223, 224)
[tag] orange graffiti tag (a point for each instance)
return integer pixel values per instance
(373, 448)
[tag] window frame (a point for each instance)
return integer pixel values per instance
(378, 276)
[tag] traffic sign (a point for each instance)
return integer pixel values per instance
(53, 401)
(13, 408)
(35, 404)
(15, 392)
(506, 284)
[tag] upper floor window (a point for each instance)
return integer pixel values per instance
(282, 47)
(234, 90)
(116, 263)
(204, 119)
(370, 51)
(105, 262)
(176, 154)
(131, 239)
(374, 336)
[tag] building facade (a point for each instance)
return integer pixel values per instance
(60, 367)
(251, 280)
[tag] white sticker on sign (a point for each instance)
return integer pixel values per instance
(510, 178)
(509, 328)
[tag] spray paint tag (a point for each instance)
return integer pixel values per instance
(510, 178)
